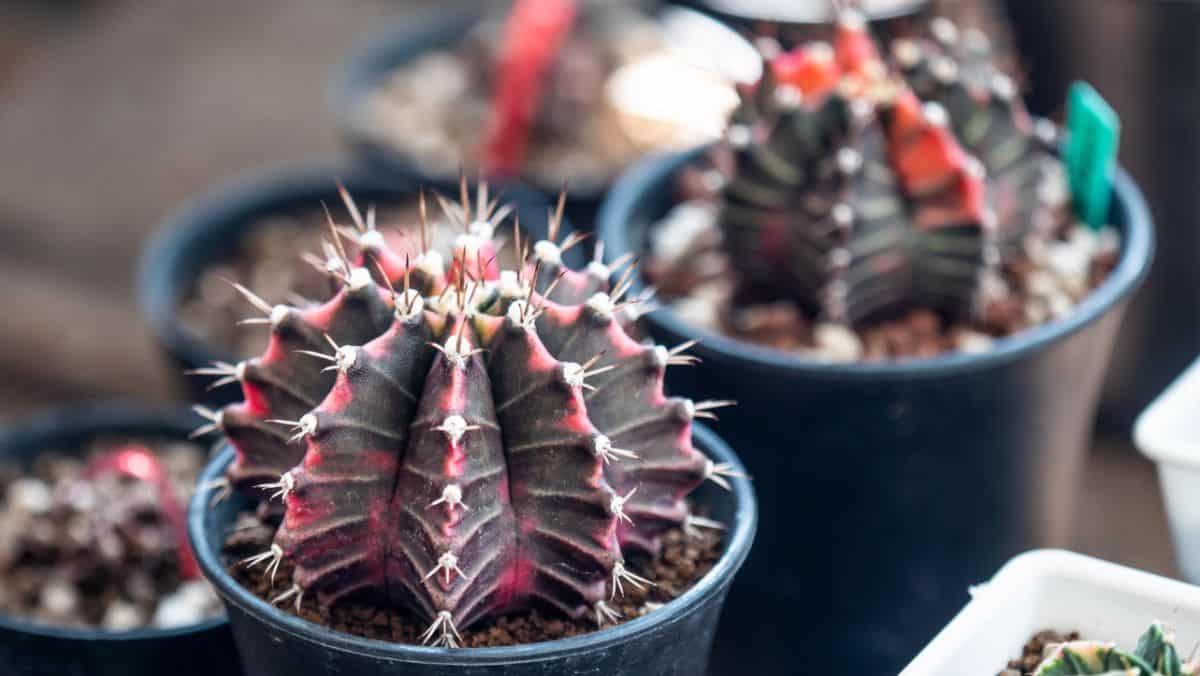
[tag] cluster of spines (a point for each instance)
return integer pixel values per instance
(499, 441)
(848, 195)
(1155, 655)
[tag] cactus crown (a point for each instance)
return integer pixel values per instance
(861, 188)
(1155, 655)
(464, 441)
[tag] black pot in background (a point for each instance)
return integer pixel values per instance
(796, 22)
(671, 641)
(31, 649)
(370, 65)
(1145, 59)
(211, 227)
(888, 489)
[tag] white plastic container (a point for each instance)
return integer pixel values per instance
(1054, 589)
(1168, 432)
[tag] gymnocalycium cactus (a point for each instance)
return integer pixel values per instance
(469, 441)
(859, 189)
(1155, 655)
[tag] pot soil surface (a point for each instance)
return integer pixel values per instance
(684, 560)
(83, 543)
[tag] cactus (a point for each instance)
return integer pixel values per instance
(848, 195)
(479, 443)
(1155, 655)
(861, 191)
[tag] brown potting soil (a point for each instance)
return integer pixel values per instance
(683, 561)
(1034, 652)
(98, 551)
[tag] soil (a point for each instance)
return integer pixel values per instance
(682, 562)
(270, 262)
(85, 547)
(1035, 651)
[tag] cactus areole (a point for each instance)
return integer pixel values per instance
(461, 441)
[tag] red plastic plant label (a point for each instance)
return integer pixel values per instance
(533, 37)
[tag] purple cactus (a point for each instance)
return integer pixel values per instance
(485, 442)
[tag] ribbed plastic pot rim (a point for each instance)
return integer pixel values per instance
(739, 537)
(1137, 250)
(93, 419)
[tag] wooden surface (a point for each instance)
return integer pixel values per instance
(113, 114)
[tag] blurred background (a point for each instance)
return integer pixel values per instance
(114, 112)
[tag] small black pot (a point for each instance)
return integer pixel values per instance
(32, 649)
(793, 23)
(210, 228)
(671, 641)
(371, 63)
(889, 488)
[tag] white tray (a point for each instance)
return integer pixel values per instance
(1168, 432)
(1053, 589)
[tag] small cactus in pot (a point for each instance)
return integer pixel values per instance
(1155, 655)
(461, 441)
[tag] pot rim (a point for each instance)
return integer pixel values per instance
(88, 420)
(1137, 251)
(740, 538)
(236, 204)
(736, 10)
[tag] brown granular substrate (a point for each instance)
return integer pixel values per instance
(683, 561)
(1035, 650)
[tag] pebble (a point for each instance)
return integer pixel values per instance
(190, 603)
(678, 231)
(58, 598)
(704, 307)
(121, 616)
(973, 342)
(30, 495)
(837, 343)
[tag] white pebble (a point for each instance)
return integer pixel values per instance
(59, 598)
(973, 342)
(678, 231)
(190, 603)
(837, 343)
(121, 616)
(30, 495)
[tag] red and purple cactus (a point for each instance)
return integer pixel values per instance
(481, 442)
(860, 189)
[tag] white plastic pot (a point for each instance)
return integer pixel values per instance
(1168, 432)
(1053, 589)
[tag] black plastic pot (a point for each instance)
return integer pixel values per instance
(371, 63)
(887, 489)
(793, 23)
(31, 649)
(211, 227)
(671, 641)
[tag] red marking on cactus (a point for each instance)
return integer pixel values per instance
(808, 70)
(535, 32)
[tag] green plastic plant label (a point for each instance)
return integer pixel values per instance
(1094, 133)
